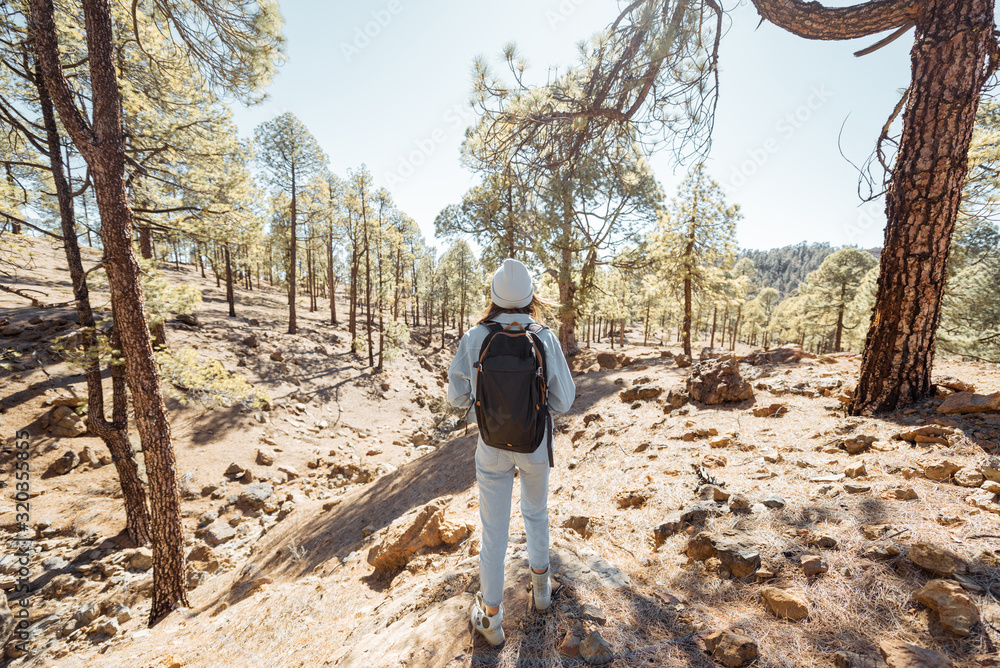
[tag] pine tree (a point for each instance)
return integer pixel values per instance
(291, 155)
(830, 289)
(697, 233)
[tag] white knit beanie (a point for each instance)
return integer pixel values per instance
(511, 285)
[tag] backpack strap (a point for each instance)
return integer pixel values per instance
(492, 328)
(534, 329)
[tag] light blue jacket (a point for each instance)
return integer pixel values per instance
(560, 388)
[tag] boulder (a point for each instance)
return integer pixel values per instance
(774, 501)
(251, 341)
(856, 471)
(265, 456)
(189, 319)
(813, 565)
(579, 524)
(424, 527)
(845, 659)
(784, 355)
(85, 614)
(595, 649)
(991, 469)
(772, 410)
(237, 471)
(937, 468)
(732, 548)
(858, 444)
(927, 434)
(718, 382)
(984, 500)
(936, 559)
(968, 477)
(72, 401)
(898, 654)
(69, 461)
(675, 400)
(141, 559)
(786, 603)
(739, 503)
(65, 423)
(954, 384)
(254, 496)
(637, 392)
(682, 361)
(570, 645)
(731, 648)
(967, 402)
(217, 533)
(607, 360)
(632, 498)
(955, 608)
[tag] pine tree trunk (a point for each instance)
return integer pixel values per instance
(293, 243)
(952, 43)
(686, 325)
(510, 224)
(443, 321)
(230, 296)
(645, 333)
(352, 322)
(368, 292)
(102, 147)
(736, 327)
(840, 319)
(715, 320)
(329, 277)
(567, 288)
(158, 330)
(114, 434)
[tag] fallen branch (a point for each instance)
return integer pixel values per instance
(34, 302)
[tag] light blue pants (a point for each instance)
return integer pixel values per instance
(495, 474)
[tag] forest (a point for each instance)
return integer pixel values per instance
(120, 152)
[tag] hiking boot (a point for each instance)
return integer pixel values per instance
(489, 626)
(541, 589)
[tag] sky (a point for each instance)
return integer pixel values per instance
(387, 83)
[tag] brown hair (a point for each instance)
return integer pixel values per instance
(539, 309)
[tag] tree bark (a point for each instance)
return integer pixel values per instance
(102, 146)
(292, 260)
(368, 284)
(230, 296)
(715, 322)
(954, 41)
(329, 277)
(159, 331)
(953, 55)
(813, 21)
(115, 433)
(567, 288)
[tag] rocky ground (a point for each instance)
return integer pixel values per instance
(340, 525)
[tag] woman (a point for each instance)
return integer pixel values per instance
(513, 301)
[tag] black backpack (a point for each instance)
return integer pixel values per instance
(511, 406)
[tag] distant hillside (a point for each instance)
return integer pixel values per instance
(784, 268)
